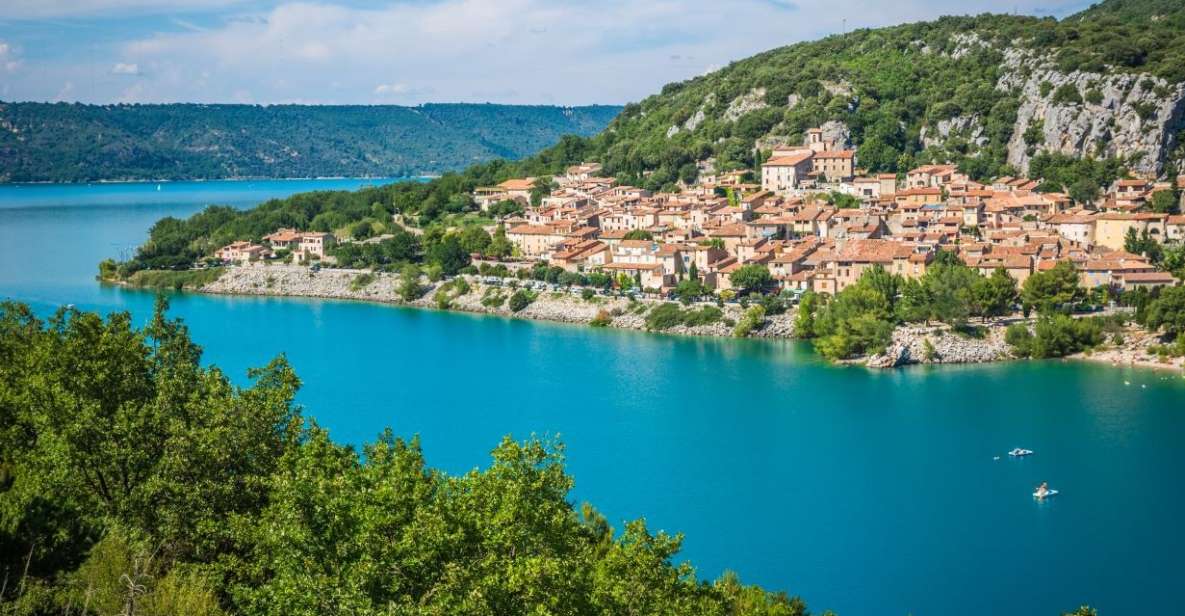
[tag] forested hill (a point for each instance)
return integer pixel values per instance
(63, 142)
(994, 93)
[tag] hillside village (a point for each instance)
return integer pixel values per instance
(813, 220)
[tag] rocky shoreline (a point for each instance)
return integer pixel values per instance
(915, 344)
(557, 306)
(911, 345)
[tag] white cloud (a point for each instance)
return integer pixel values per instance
(510, 51)
(66, 93)
(391, 88)
(8, 60)
(125, 68)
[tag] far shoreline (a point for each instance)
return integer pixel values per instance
(563, 308)
(425, 177)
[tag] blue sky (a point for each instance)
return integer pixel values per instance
(412, 51)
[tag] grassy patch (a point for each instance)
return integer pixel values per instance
(361, 281)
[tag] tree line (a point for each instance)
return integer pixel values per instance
(136, 480)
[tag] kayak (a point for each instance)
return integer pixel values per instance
(1048, 493)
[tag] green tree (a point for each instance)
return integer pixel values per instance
(995, 295)
(1166, 201)
(448, 254)
(1053, 289)
(750, 278)
(410, 288)
(950, 291)
(638, 234)
(500, 247)
(690, 290)
(1167, 312)
(475, 240)
(520, 299)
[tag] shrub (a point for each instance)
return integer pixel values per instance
(704, 316)
(410, 288)
(1020, 339)
(1067, 94)
(361, 281)
(664, 316)
(928, 350)
(753, 319)
(1146, 111)
(1056, 335)
(603, 319)
(521, 299)
(587, 295)
(1094, 96)
(493, 298)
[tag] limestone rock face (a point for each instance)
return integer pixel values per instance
(968, 127)
(838, 133)
(1137, 116)
(746, 103)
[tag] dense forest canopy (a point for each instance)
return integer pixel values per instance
(135, 480)
(74, 142)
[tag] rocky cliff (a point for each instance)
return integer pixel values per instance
(1134, 116)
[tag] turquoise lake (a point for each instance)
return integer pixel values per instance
(863, 492)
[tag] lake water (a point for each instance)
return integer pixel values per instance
(864, 492)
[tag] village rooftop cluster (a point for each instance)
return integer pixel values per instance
(813, 221)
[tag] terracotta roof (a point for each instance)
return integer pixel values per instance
(788, 161)
(533, 230)
(1164, 277)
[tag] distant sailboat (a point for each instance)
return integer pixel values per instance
(158, 188)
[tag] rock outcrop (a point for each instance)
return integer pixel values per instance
(940, 345)
(1133, 116)
(968, 127)
(745, 103)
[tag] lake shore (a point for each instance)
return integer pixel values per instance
(911, 345)
(556, 306)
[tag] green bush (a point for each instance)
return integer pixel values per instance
(1055, 335)
(752, 320)
(410, 288)
(667, 315)
(361, 281)
(1067, 94)
(664, 316)
(520, 299)
(493, 298)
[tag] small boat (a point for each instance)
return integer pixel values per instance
(1020, 453)
(996, 457)
(158, 188)
(1042, 496)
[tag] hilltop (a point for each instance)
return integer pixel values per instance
(75, 142)
(990, 93)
